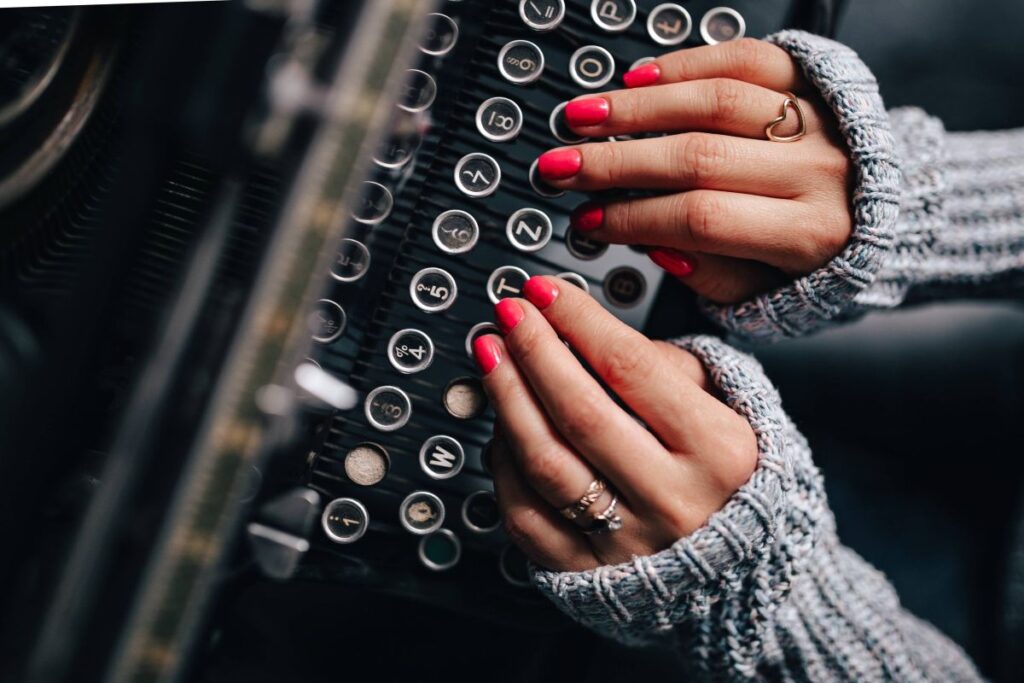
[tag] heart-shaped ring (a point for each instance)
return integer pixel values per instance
(789, 103)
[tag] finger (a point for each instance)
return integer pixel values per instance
(717, 105)
(548, 464)
(750, 60)
(721, 279)
(683, 162)
(543, 535)
(635, 463)
(661, 394)
(783, 233)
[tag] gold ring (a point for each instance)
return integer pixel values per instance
(593, 492)
(789, 103)
(609, 520)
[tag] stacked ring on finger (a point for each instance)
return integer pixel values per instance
(608, 520)
(593, 492)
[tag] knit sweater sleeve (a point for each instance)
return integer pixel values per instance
(936, 214)
(764, 589)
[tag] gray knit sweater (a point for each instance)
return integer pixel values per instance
(765, 589)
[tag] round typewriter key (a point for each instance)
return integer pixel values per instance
(442, 457)
(575, 279)
(521, 61)
(440, 551)
(477, 175)
(344, 520)
(410, 350)
(560, 129)
(479, 330)
(455, 232)
(387, 408)
(398, 148)
(640, 62)
(582, 247)
(433, 290)
(419, 91)
(624, 286)
(480, 512)
(499, 119)
(351, 261)
(514, 566)
(669, 24)
(613, 16)
(529, 230)
(464, 398)
(504, 282)
(374, 204)
(367, 464)
(592, 66)
(441, 36)
(721, 25)
(326, 322)
(540, 186)
(542, 15)
(421, 512)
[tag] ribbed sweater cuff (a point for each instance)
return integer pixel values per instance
(826, 295)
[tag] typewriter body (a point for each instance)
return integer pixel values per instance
(256, 271)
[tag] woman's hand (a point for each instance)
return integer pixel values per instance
(738, 214)
(560, 430)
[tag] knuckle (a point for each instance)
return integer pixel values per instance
(727, 100)
(544, 471)
(527, 341)
(586, 416)
(624, 221)
(627, 362)
(520, 524)
(736, 457)
(604, 163)
(702, 158)
(701, 211)
(749, 56)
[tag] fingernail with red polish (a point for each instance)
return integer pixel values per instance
(487, 353)
(587, 217)
(589, 111)
(509, 314)
(678, 263)
(540, 292)
(648, 74)
(559, 164)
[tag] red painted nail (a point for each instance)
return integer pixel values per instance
(678, 263)
(540, 291)
(648, 74)
(587, 217)
(589, 111)
(487, 353)
(509, 314)
(559, 164)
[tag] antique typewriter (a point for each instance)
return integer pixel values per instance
(244, 250)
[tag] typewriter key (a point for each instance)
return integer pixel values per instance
(440, 551)
(479, 330)
(421, 512)
(506, 281)
(669, 24)
(499, 119)
(387, 408)
(374, 204)
(529, 230)
(592, 66)
(477, 175)
(521, 61)
(624, 286)
(560, 129)
(344, 520)
(542, 15)
(640, 62)
(367, 464)
(455, 232)
(397, 149)
(326, 322)
(721, 25)
(613, 16)
(514, 566)
(576, 279)
(480, 512)
(433, 290)
(351, 261)
(441, 457)
(419, 91)
(464, 398)
(441, 36)
(540, 186)
(410, 350)
(583, 248)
